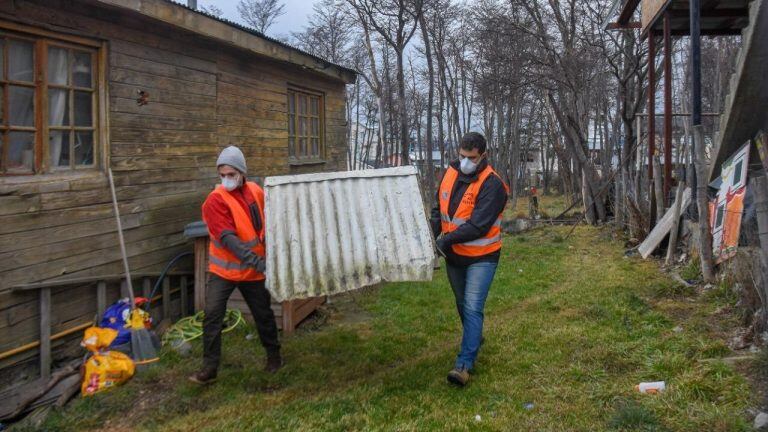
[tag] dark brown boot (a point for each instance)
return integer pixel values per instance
(204, 376)
(274, 363)
(458, 376)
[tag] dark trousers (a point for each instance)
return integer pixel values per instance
(259, 302)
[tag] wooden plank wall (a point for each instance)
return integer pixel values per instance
(202, 97)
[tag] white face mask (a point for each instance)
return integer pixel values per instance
(230, 183)
(467, 166)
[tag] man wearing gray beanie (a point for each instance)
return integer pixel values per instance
(234, 214)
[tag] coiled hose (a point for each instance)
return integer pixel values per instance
(191, 327)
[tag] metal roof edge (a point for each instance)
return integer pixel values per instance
(316, 177)
(223, 30)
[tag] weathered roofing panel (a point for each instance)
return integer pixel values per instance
(329, 233)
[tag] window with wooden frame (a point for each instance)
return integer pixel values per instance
(306, 126)
(48, 116)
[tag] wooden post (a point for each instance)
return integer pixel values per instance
(651, 125)
(201, 252)
(45, 333)
(101, 298)
(667, 107)
(287, 317)
(146, 287)
(702, 203)
(759, 185)
(184, 296)
(658, 188)
(167, 297)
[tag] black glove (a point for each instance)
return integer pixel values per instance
(442, 246)
(260, 264)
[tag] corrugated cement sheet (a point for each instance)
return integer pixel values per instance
(329, 233)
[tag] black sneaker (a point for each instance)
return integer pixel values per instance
(274, 363)
(204, 376)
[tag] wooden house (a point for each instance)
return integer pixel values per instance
(154, 90)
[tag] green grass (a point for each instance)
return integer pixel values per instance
(550, 206)
(571, 326)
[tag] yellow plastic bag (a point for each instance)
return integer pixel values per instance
(104, 369)
(97, 338)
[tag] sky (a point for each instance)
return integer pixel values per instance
(296, 16)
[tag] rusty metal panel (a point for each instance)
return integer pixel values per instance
(329, 233)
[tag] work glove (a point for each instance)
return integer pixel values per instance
(442, 246)
(260, 264)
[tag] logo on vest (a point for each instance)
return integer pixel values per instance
(445, 195)
(468, 199)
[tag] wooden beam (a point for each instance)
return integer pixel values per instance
(667, 108)
(712, 13)
(84, 280)
(184, 296)
(628, 26)
(45, 333)
(628, 11)
(167, 298)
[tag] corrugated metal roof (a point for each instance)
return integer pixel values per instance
(259, 34)
(329, 233)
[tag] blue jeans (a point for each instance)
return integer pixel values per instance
(470, 287)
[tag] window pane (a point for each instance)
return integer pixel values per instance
(82, 70)
(303, 104)
(315, 106)
(291, 146)
(58, 145)
(83, 148)
(291, 103)
(302, 146)
(21, 106)
(20, 61)
(315, 147)
(83, 109)
(315, 127)
(58, 107)
(2, 106)
(57, 65)
(291, 125)
(302, 126)
(21, 156)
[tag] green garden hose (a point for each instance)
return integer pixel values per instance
(191, 327)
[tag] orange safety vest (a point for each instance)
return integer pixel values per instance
(491, 241)
(224, 263)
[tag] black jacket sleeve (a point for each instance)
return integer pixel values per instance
(490, 203)
(434, 218)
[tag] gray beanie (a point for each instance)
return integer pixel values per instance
(233, 157)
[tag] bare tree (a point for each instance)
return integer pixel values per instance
(212, 10)
(260, 14)
(395, 21)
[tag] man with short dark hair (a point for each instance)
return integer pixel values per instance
(467, 224)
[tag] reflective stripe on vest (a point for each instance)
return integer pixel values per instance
(491, 241)
(221, 261)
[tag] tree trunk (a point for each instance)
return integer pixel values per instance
(658, 187)
(430, 102)
(702, 202)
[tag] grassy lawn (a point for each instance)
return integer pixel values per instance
(571, 326)
(550, 206)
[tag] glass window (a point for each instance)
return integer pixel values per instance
(67, 139)
(305, 125)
